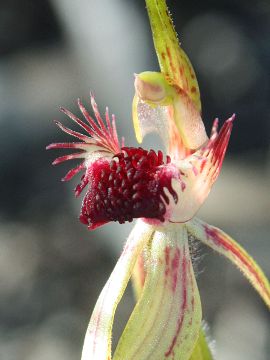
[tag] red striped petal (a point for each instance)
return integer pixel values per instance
(167, 317)
(225, 245)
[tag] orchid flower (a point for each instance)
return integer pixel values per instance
(163, 192)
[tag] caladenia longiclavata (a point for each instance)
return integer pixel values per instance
(163, 192)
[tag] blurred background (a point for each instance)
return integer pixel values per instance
(51, 267)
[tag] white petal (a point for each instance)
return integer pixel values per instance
(97, 343)
(166, 320)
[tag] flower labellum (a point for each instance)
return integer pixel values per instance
(129, 186)
(163, 192)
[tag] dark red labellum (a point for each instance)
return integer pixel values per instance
(129, 186)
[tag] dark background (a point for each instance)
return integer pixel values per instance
(51, 267)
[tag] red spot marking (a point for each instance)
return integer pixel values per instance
(213, 235)
(186, 86)
(203, 163)
(175, 268)
(192, 285)
(192, 300)
(193, 89)
(163, 55)
(167, 255)
(183, 307)
(167, 260)
(177, 89)
(170, 59)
